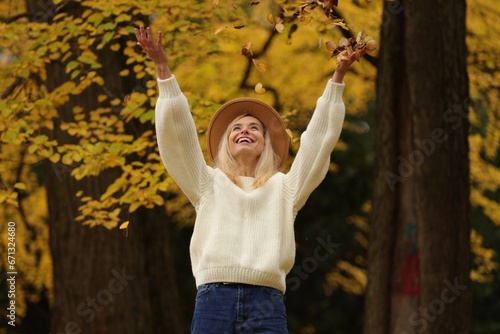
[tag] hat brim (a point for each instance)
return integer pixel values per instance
(253, 107)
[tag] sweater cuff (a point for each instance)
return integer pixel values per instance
(168, 87)
(333, 91)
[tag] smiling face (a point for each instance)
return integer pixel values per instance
(246, 138)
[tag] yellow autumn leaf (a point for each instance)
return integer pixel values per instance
(115, 47)
(124, 73)
(20, 185)
(134, 206)
(124, 225)
(55, 158)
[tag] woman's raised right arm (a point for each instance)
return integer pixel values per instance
(154, 50)
(175, 129)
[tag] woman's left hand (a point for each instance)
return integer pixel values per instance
(344, 65)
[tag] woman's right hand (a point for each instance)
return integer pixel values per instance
(154, 50)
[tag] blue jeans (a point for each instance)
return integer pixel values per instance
(238, 309)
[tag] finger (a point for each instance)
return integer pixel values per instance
(149, 36)
(137, 35)
(160, 37)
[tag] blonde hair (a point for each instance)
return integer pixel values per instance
(267, 166)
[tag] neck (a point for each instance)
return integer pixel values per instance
(246, 168)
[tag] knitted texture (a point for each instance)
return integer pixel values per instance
(244, 235)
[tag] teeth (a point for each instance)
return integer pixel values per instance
(244, 140)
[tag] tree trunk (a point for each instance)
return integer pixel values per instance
(419, 241)
(105, 281)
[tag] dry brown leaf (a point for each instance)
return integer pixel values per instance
(331, 46)
(279, 27)
(341, 24)
(371, 47)
(361, 37)
(344, 42)
(270, 18)
(261, 67)
(344, 55)
(245, 50)
(347, 46)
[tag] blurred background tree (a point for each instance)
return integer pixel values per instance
(78, 156)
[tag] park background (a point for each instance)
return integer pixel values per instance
(408, 214)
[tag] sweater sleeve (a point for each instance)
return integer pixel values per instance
(311, 163)
(177, 139)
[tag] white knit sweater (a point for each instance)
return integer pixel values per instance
(244, 235)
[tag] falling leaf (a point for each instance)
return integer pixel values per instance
(270, 18)
(279, 27)
(220, 30)
(327, 6)
(245, 50)
(215, 3)
(330, 46)
(239, 27)
(261, 67)
(125, 226)
(341, 24)
(259, 88)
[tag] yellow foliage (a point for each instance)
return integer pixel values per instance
(484, 265)
(348, 277)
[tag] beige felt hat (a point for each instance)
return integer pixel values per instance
(253, 107)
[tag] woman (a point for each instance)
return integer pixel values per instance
(243, 243)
